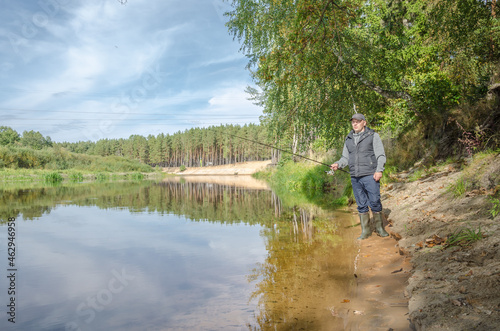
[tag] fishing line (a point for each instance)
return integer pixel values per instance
(285, 151)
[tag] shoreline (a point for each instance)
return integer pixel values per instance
(233, 169)
(380, 301)
(448, 288)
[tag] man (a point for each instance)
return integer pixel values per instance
(364, 154)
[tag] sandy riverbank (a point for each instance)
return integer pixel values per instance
(241, 168)
(455, 288)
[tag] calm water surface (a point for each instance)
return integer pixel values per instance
(174, 255)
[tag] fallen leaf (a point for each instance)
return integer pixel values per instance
(346, 301)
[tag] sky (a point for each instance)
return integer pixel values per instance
(99, 69)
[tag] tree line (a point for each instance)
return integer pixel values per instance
(31, 139)
(215, 145)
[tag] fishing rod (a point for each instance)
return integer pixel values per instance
(285, 151)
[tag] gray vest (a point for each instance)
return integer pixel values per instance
(362, 160)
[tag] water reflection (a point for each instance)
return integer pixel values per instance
(176, 254)
(308, 270)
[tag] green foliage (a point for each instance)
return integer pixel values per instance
(460, 187)
(387, 175)
(101, 177)
(479, 174)
(75, 177)
(434, 93)
(495, 209)
(52, 177)
(416, 175)
(404, 64)
(35, 140)
(60, 159)
(464, 237)
(136, 176)
(298, 182)
(313, 182)
(182, 168)
(8, 136)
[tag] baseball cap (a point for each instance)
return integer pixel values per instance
(359, 117)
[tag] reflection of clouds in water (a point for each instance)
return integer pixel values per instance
(186, 274)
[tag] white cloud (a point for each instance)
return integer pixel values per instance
(233, 99)
(170, 57)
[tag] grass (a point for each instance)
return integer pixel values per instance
(416, 175)
(75, 177)
(464, 237)
(52, 177)
(302, 182)
(9, 177)
(59, 159)
(53, 165)
(474, 175)
(460, 187)
(495, 209)
(137, 176)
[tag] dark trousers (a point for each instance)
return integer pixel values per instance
(367, 193)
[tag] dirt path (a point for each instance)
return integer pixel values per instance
(382, 274)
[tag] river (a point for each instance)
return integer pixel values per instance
(195, 253)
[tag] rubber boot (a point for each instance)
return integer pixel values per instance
(366, 230)
(378, 220)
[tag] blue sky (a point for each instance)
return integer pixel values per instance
(95, 69)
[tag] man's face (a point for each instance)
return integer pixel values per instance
(358, 125)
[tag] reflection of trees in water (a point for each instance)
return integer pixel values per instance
(306, 255)
(306, 226)
(196, 201)
(301, 241)
(300, 217)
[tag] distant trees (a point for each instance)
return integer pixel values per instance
(8, 136)
(195, 147)
(31, 139)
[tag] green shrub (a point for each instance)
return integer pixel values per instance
(495, 209)
(76, 177)
(136, 176)
(52, 177)
(101, 177)
(182, 168)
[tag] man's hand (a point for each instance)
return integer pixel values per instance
(334, 166)
(377, 176)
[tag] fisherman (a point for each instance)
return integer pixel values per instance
(364, 154)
